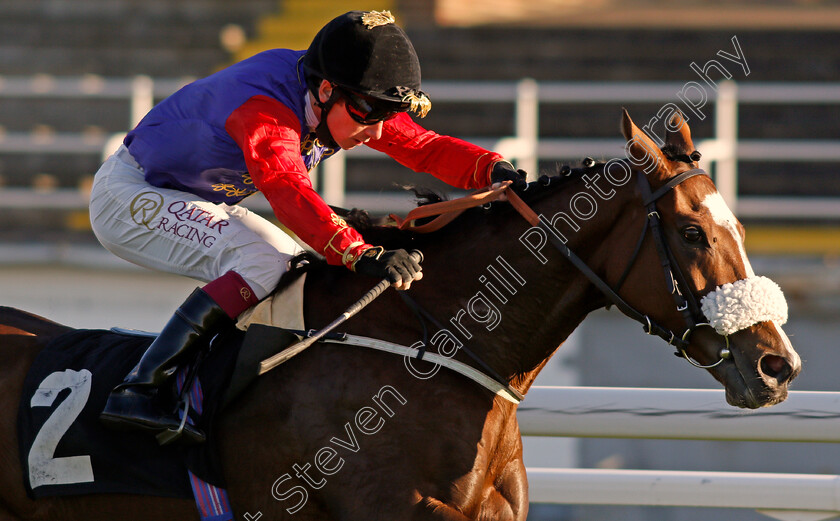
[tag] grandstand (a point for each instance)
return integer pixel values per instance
(552, 40)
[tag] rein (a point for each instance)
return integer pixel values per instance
(686, 303)
(446, 211)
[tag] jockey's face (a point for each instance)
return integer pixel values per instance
(346, 131)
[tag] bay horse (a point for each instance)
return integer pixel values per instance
(346, 433)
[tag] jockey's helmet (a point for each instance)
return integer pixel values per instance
(368, 54)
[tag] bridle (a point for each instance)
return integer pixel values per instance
(447, 211)
(686, 303)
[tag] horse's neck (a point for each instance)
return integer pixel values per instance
(541, 321)
(561, 297)
(494, 294)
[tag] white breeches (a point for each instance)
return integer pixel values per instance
(177, 232)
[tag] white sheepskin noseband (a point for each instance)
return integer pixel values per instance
(740, 304)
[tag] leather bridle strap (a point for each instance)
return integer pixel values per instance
(650, 327)
(687, 305)
(649, 199)
(674, 278)
(447, 211)
(673, 182)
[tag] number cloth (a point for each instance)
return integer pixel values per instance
(65, 450)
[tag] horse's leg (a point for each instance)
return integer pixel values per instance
(431, 509)
(495, 507)
(507, 500)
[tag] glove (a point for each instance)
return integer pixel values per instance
(504, 171)
(395, 265)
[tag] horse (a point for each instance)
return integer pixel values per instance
(347, 433)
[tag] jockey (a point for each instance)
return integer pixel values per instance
(167, 199)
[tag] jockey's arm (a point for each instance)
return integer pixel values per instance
(268, 133)
(452, 160)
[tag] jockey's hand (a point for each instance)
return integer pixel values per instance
(504, 171)
(398, 266)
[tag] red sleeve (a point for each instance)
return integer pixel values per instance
(452, 160)
(268, 133)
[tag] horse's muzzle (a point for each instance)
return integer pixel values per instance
(750, 384)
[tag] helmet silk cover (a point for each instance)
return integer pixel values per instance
(367, 53)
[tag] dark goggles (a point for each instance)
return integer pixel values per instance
(367, 111)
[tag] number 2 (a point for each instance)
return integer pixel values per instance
(44, 468)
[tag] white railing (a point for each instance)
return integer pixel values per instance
(683, 414)
(722, 152)
(788, 497)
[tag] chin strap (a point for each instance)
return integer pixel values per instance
(322, 131)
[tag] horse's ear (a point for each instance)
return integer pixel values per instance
(677, 133)
(641, 150)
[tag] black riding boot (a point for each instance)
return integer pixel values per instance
(142, 400)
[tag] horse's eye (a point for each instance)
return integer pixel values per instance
(692, 234)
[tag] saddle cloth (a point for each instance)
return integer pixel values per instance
(65, 450)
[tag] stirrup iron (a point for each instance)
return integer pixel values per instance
(169, 436)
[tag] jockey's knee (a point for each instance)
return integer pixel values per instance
(263, 270)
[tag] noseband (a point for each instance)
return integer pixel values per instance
(685, 301)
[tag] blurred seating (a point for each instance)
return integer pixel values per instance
(294, 26)
(168, 38)
(120, 37)
(43, 39)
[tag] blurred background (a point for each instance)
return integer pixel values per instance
(542, 81)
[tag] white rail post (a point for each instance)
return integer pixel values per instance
(527, 125)
(334, 171)
(726, 131)
(142, 98)
(141, 102)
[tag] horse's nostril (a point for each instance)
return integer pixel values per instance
(776, 367)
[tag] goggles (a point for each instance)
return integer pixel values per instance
(365, 111)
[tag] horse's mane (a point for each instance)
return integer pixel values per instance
(679, 152)
(387, 236)
(391, 237)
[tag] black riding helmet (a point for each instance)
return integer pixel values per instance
(366, 54)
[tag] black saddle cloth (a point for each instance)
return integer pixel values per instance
(65, 450)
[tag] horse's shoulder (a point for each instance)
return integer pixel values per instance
(18, 322)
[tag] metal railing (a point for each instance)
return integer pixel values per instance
(720, 153)
(696, 414)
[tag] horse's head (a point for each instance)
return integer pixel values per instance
(730, 321)
(663, 247)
